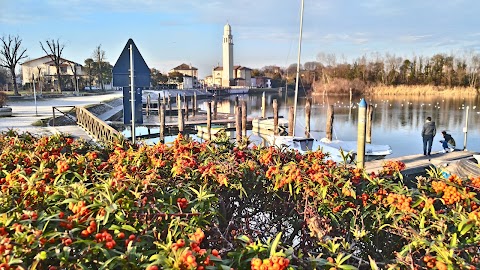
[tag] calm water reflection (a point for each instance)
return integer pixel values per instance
(397, 121)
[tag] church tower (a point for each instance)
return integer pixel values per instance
(227, 73)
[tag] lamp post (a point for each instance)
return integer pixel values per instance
(34, 94)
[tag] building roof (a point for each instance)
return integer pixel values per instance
(234, 67)
(185, 67)
(49, 60)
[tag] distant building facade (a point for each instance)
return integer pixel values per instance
(190, 76)
(44, 68)
(229, 75)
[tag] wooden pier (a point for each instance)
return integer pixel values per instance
(417, 164)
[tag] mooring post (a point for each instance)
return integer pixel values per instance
(244, 119)
(369, 123)
(214, 109)
(330, 117)
(465, 129)
(186, 107)
(181, 121)
(275, 117)
(290, 121)
(350, 104)
(263, 105)
(53, 119)
(238, 123)
(236, 101)
(169, 106)
(161, 114)
(362, 115)
(209, 121)
(147, 109)
(308, 110)
(194, 103)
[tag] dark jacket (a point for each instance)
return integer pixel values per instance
(429, 129)
(449, 139)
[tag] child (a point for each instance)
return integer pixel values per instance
(448, 143)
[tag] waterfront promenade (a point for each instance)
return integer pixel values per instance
(24, 116)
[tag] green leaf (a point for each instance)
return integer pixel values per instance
(347, 267)
(275, 244)
(244, 239)
(466, 228)
(453, 241)
(373, 264)
(129, 228)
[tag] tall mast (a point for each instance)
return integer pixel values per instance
(298, 70)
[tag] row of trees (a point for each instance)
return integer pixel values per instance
(438, 70)
(96, 67)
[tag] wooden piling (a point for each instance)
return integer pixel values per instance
(194, 103)
(186, 107)
(244, 119)
(290, 120)
(308, 111)
(263, 106)
(330, 116)
(275, 117)
(147, 109)
(180, 114)
(238, 120)
(209, 121)
(214, 105)
(169, 106)
(236, 101)
(368, 138)
(161, 114)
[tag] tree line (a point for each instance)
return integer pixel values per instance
(438, 70)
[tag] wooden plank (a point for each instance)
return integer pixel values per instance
(418, 163)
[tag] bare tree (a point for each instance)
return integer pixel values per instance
(54, 51)
(11, 54)
(73, 67)
(99, 56)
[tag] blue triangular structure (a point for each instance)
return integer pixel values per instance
(121, 69)
(121, 78)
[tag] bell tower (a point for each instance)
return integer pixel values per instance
(227, 73)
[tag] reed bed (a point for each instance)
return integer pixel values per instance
(421, 90)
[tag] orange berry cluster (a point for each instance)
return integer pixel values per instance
(62, 166)
(5, 246)
(455, 179)
(79, 210)
(272, 263)
(475, 181)
(475, 215)
(401, 202)
(107, 238)
(450, 193)
(182, 203)
(89, 230)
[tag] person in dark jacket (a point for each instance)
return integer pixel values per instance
(448, 143)
(428, 132)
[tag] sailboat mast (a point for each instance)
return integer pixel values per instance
(298, 70)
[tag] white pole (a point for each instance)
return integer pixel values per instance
(298, 70)
(465, 129)
(132, 92)
(34, 94)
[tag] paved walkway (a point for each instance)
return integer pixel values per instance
(25, 114)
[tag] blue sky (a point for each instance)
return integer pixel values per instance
(265, 32)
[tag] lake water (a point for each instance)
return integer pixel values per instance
(397, 120)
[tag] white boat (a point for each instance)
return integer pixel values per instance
(337, 149)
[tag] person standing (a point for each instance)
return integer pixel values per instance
(428, 132)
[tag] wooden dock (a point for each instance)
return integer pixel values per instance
(417, 164)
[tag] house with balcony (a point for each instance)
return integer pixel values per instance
(44, 70)
(190, 76)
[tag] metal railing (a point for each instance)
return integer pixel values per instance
(95, 126)
(65, 114)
